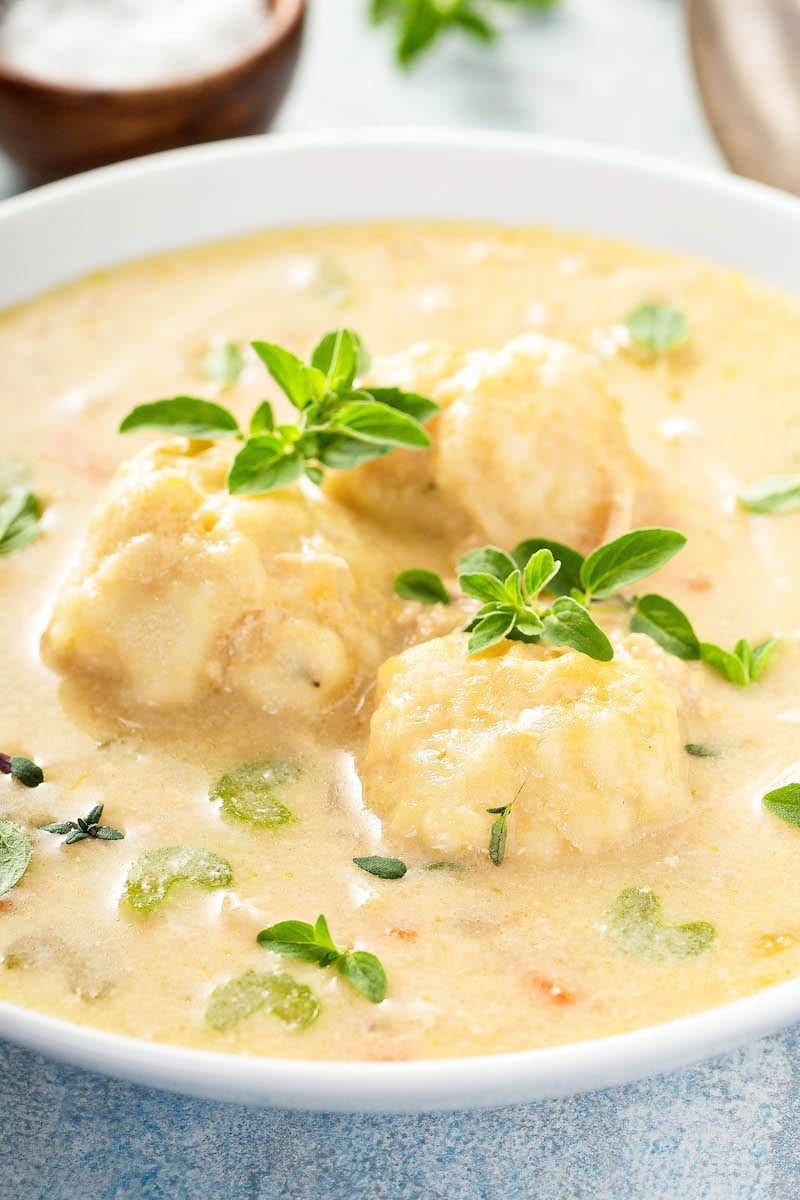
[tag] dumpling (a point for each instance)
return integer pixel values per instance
(532, 443)
(182, 587)
(592, 751)
(399, 489)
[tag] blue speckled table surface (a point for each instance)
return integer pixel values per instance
(725, 1130)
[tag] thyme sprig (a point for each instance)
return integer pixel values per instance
(85, 827)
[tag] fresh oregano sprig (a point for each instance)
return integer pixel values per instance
(339, 424)
(85, 827)
(511, 607)
(313, 943)
(509, 587)
(669, 626)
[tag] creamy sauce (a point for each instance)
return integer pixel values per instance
(490, 958)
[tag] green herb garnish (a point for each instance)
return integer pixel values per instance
(184, 416)
(509, 586)
(313, 943)
(778, 494)
(667, 625)
(85, 827)
(24, 770)
(339, 425)
(423, 586)
(636, 928)
(498, 835)
(700, 750)
(252, 792)
(15, 854)
(283, 997)
(420, 23)
(784, 802)
(449, 868)
(223, 364)
(568, 577)
(510, 607)
(743, 665)
(384, 868)
(658, 328)
(157, 871)
(19, 520)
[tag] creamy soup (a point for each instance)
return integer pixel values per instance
(577, 843)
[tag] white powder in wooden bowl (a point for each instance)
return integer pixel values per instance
(126, 43)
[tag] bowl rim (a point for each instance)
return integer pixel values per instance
(285, 17)
(426, 1084)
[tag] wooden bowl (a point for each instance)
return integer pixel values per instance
(51, 129)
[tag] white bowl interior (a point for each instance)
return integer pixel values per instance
(192, 196)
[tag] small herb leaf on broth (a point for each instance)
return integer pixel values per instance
(224, 364)
(664, 622)
(184, 416)
(154, 873)
(283, 997)
(19, 520)
(627, 559)
(498, 834)
(313, 943)
(365, 972)
(24, 770)
(701, 750)
(636, 928)
(671, 629)
(777, 494)
(426, 587)
(658, 328)
(253, 791)
(784, 802)
(15, 854)
(383, 868)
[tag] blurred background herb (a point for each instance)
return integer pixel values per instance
(419, 23)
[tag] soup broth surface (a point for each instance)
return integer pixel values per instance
(480, 958)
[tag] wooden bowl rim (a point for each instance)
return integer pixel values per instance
(286, 16)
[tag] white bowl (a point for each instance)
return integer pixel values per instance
(211, 192)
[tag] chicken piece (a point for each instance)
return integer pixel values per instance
(182, 587)
(592, 751)
(532, 443)
(529, 442)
